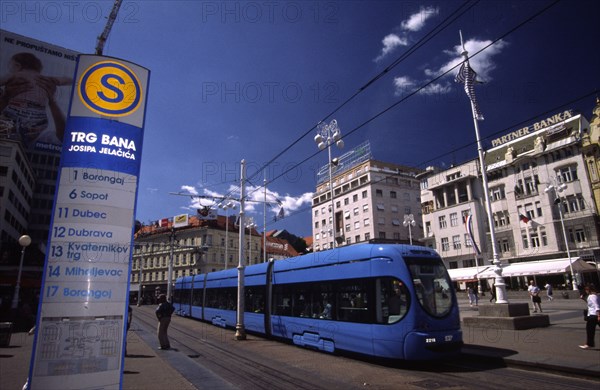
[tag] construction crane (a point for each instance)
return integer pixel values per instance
(109, 23)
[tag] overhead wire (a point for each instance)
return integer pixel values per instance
(501, 131)
(419, 89)
(426, 38)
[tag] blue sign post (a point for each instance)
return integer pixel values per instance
(81, 323)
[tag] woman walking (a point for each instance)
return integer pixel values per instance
(592, 319)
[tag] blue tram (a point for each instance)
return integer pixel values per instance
(385, 300)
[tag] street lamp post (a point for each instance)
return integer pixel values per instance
(327, 134)
(24, 241)
(409, 221)
(558, 189)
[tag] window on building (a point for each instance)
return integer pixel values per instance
(393, 194)
(428, 231)
(468, 242)
(381, 220)
(348, 227)
(380, 206)
(355, 211)
(382, 235)
(577, 235)
(504, 245)
(445, 244)
(364, 194)
(497, 193)
(453, 219)
(442, 221)
(456, 241)
(367, 236)
(365, 208)
(567, 174)
(355, 198)
(356, 225)
(367, 221)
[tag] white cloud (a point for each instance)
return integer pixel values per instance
(403, 84)
(190, 189)
(482, 63)
(437, 89)
(416, 21)
(255, 196)
(390, 42)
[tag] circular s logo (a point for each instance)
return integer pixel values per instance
(110, 88)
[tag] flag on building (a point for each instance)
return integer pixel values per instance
(523, 218)
(280, 215)
(467, 76)
(469, 226)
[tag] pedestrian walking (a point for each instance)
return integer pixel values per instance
(534, 293)
(592, 317)
(473, 298)
(493, 293)
(163, 313)
(548, 288)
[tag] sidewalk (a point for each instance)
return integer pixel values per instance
(144, 369)
(554, 348)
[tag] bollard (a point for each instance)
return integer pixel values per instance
(5, 333)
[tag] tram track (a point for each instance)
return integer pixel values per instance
(260, 363)
(238, 365)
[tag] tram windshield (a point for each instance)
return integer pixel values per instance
(432, 284)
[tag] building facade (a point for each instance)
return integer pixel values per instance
(540, 180)
(370, 201)
(201, 246)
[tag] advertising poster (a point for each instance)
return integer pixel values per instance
(80, 330)
(36, 80)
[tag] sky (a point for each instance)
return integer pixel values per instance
(250, 80)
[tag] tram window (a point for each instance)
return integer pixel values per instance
(221, 298)
(282, 300)
(393, 299)
(353, 304)
(197, 298)
(432, 285)
(254, 300)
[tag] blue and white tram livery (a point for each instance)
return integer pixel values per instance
(384, 300)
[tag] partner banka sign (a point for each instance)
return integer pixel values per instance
(81, 323)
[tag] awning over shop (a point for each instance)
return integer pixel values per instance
(542, 267)
(465, 274)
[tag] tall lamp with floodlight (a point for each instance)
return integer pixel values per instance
(24, 241)
(557, 189)
(328, 134)
(409, 221)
